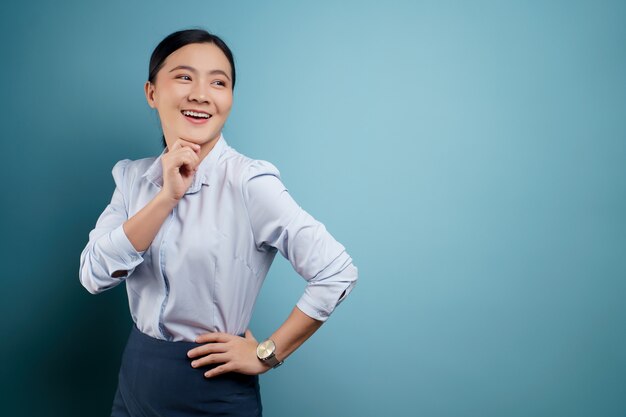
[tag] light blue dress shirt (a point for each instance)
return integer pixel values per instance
(204, 269)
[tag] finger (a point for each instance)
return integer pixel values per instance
(249, 335)
(211, 359)
(191, 154)
(218, 370)
(207, 349)
(185, 158)
(186, 143)
(184, 150)
(214, 337)
(194, 155)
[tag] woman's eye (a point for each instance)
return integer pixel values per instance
(184, 77)
(218, 82)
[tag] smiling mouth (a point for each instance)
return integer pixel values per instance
(196, 115)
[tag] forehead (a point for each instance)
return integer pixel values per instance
(203, 56)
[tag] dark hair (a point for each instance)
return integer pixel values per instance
(177, 40)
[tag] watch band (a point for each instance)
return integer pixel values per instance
(273, 361)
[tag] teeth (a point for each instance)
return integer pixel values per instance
(193, 113)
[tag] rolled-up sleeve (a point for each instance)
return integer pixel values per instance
(277, 221)
(109, 257)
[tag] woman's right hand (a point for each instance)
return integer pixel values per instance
(180, 164)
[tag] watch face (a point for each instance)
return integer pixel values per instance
(265, 349)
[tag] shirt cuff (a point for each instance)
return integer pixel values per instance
(321, 298)
(123, 248)
(307, 307)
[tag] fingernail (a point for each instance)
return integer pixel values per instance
(194, 364)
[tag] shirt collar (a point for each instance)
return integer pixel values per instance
(204, 174)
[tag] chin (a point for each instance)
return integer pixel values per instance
(195, 136)
(199, 136)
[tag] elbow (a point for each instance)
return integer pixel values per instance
(92, 290)
(88, 281)
(87, 275)
(322, 296)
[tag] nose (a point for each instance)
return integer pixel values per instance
(199, 93)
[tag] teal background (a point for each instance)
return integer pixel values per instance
(470, 155)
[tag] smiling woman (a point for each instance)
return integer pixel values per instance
(193, 233)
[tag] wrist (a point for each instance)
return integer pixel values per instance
(266, 353)
(165, 201)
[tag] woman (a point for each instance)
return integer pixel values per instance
(193, 233)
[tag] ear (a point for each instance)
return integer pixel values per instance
(149, 90)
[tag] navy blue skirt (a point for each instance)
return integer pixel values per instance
(156, 379)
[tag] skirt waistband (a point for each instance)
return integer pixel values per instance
(164, 344)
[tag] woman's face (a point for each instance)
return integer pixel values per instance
(196, 77)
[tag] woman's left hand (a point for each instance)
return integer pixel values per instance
(234, 353)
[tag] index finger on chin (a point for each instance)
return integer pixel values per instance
(184, 142)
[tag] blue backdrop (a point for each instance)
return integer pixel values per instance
(470, 156)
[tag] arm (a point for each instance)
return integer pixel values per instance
(117, 244)
(115, 250)
(179, 167)
(279, 223)
(146, 223)
(293, 332)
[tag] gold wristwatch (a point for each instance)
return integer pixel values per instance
(265, 352)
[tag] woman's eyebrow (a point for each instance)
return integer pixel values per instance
(192, 69)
